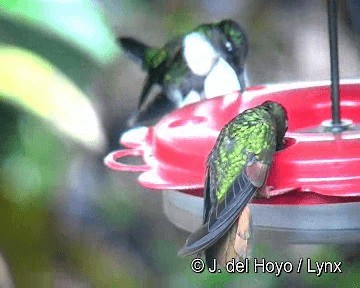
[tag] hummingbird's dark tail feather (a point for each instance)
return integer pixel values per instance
(217, 225)
(204, 237)
(134, 48)
(201, 238)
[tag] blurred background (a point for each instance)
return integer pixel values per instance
(66, 90)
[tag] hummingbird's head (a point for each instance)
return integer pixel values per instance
(234, 46)
(278, 112)
(217, 44)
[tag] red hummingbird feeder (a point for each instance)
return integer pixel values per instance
(319, 168)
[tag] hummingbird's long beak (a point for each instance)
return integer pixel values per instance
(241, 74)
(242, 77)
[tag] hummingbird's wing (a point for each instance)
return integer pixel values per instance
(134, 48)
(159, 62)
(155, 60)
(224, 199)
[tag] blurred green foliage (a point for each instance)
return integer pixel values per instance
(26, 240)
(41, 40)
(33, 169)
(67, 21)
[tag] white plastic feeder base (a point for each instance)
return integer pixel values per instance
(301, 224)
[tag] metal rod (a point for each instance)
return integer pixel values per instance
(334, 60)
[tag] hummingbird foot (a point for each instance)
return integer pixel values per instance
(270, 191)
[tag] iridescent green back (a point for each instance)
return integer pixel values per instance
(251, 135)
(237, 169)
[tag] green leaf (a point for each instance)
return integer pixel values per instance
(79, 22)
(35, 85)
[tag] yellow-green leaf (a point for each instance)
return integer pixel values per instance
(34, 84)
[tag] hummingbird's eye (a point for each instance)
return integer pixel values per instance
(228, 46)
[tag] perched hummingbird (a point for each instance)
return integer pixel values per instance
(237, 169)
(208, 61)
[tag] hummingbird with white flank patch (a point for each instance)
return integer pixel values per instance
(206, 62)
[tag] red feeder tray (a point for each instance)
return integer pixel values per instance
(319, 167)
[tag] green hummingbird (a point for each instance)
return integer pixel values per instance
(208, 61)
(237, 169)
